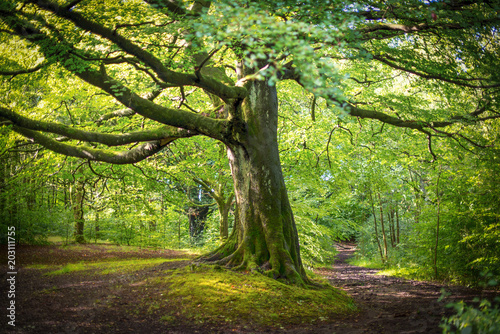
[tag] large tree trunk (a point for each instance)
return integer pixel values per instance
(265, 237)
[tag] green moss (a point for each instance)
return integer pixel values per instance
(108, 267)
(92, 249)
(209, 294)
(67, 269)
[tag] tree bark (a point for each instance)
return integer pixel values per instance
(265, 237)
(437, 227)
(197, 217)
(397, 225)
(224, 205)
(384, 238)
(375, 226)
(78, 212)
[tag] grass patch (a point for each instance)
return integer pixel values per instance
(211, 294)
(101, 247)
(70, 267)
(55, 239)
(407, 273)
(106, 267)
(365, 263)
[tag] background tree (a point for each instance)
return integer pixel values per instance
(139, 56)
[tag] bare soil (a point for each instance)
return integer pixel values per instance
(90, 302)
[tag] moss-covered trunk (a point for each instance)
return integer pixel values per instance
(224, 206)
(267, 237)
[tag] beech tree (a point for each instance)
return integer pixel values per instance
(179, 69)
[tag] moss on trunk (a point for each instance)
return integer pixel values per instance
(265, 238)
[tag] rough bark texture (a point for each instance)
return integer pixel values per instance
(266, 237)
(197, 217)
(224, 207)
(78, 213)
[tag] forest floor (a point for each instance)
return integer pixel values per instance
(104, 300)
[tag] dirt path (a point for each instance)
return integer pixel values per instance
(389, 304)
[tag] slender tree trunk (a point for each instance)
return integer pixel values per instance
(384, 238)
(391, 230)
(376, 228)
(3, 191)
(437, 227)
(392, 226)
(265, 237)
(78, 212)
(224, 206)
(179, 233)
(397, 225)
(96, 227)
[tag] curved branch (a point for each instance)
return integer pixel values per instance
(124, 157)
(214, 128)
(26, 71)
(163, 133)
(211, 85)
(399, 12)
(128, 112)
(390, 62)
(178, 118)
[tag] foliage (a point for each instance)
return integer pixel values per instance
(471, 320)
(483, 318)
(467, 223)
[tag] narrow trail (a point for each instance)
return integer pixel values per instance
(389, 304)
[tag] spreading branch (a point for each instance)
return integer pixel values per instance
(124, 157)
(163, 133)
(209, 84)
(390, 61)
(174, 117)
(25, 71)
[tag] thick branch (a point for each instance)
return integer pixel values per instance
(209, 84)
(177, 118)
(128, 112)
(24, 71)
(165, 133)
(403, 12)
(125, 157)
(413, 124)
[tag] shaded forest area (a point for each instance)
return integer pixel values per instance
(258, 134)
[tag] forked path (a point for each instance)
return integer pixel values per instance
(389, 304)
